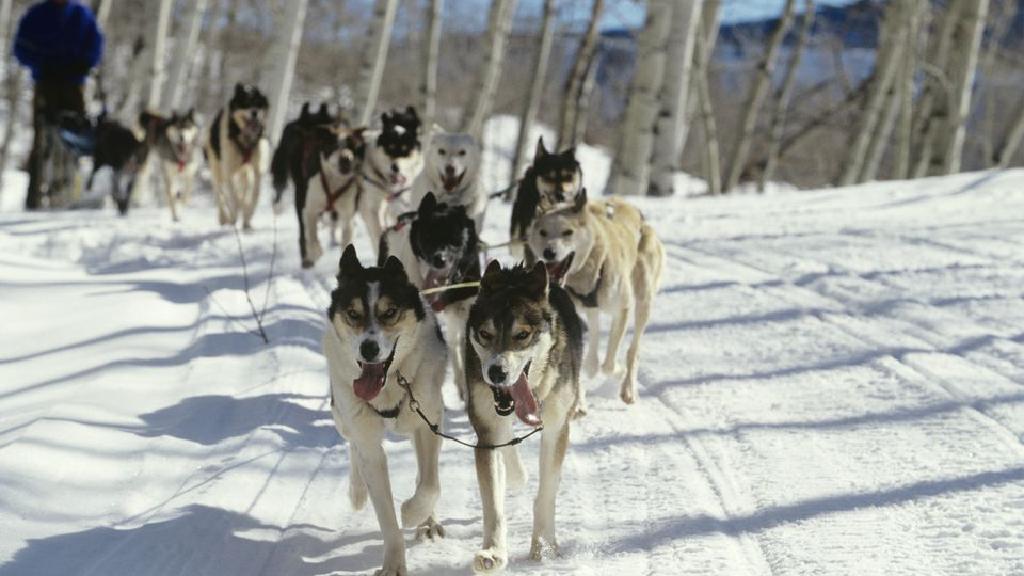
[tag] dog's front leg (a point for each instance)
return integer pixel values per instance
(314, 250)
(553, 444)
(493, 555)
(252, 192)
(418, 511)
(229, 196)
(169, 191)
(373, 466)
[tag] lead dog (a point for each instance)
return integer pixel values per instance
(393, 160)
(611, 262)
(524, 343)
(379, 329)
(452, 172)
(440, 248)
(233, 151)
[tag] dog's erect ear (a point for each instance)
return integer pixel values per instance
(489, 281)
(569, 153)
(411, 112)
(191, 114)
(537, 282)
(304, 112)
(393, 266)
(349, 264)
(541, 151)
(239, 89)
(385, 119)
(580, 202)
(428, 204)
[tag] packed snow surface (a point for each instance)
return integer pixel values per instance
(832, 383)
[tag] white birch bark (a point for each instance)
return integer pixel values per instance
(671, 126)
(537, 83)
(582, 68)
(906, 90)
(5, 36)
(880, 139)
(762, 84)
(1013, 139)
(158, 69)
(706, 39)
(431, 52)
(103, 14)
(185, 56)
(886, 65)
(498, 28)
(1001, 16)
(293, 19)
(933, 105)
(969, 31)
(630, 170)
(375, 56)
(778, 128)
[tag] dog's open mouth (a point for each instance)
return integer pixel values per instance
(451, 181)
(436, 277)
(518, 398)
(373, 376)
(557, 269)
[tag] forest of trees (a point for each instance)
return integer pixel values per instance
(940, 93)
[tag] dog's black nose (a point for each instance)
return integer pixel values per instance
(439, 261)
(496, 374)
(369, 349)
(449, 170)
(254, 113)
(394, 168)
(549, 254)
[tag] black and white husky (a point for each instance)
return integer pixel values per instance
(523, 348)
(118, 148)
(380, 333)
(452, 172)
(552, 180)
(440, 248)
(233, 151)
(173, 141)
(393, 161)
(300, 141)
(332, 190)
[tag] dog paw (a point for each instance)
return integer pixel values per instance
(581, 410)
(490, 561)
(430, 530)
(541, 549)
(247, 227)
(418, 509)
(387, 570)
(307, 264)
(628, 393)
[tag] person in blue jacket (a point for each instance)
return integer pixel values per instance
(60, 42)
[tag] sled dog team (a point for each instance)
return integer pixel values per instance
(513, 336)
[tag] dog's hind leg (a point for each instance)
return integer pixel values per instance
(590, 365)
(172, 200)
(515, 471)
(646, 278)
(618, 330)
(357, 492)
(554, 442)
(418, 511)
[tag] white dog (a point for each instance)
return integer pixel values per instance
(452, 173)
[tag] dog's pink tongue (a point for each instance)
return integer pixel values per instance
(526, 404)
(370, 381)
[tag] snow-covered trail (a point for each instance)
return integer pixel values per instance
(833, 383)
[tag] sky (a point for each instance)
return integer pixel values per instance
(629, 13)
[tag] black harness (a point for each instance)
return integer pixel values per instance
(588, 300)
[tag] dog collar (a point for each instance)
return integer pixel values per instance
(389, 413)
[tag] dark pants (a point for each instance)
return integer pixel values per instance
(51, 97)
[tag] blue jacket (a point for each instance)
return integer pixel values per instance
(58, 41)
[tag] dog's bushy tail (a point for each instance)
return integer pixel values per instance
(279, 170)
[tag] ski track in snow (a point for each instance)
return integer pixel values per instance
(832, 383)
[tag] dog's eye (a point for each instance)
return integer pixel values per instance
(522, 335)
(352, 314)
(484, 335)
(566, 233)
(389, 314)
(543, 233)
(441, 151)
(462, 152)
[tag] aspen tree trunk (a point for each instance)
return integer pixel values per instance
(711, 157)
(431, 52)
(671, 126)
(583, 105)
(778, 128)
(582, 70)
(498, 28)
(1013, 139)
(880, 139)
(375, 55)
(158, 70)
(965, 60)
(762, 84)
(933, 105)
(906, 89)
(5, 36)
(227, 78)
(532, 104)
(293, 19)
(186, 53)
(103, 14)
(886, 66)
(631, 168)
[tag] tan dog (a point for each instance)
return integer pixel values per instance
(611, 262)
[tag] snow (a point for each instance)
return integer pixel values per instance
(833, 383)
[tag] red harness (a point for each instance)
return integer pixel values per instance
(333, 197)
